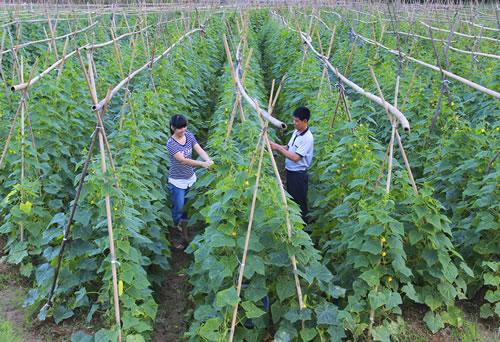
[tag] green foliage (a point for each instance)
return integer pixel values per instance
(137, 133)
(268, 277)
(378, 250)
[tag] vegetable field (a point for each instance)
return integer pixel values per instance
(403, 190)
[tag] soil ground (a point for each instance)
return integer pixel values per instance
(173, 300)
(174, 306)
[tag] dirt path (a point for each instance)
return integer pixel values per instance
(173, 300)
(12, 313)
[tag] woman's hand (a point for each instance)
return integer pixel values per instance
(206, 164)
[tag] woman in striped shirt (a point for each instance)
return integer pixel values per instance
(181, 174)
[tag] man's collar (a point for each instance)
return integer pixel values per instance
(304, 132)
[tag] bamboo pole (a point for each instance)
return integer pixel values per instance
(482, 27)
(67, 228)
(407, 163)
(247, 239)
(444, 81)
(112, 41)
(401, 118)
(9, 136)
(61, 61)
(325, 70)
(253, 103)
(23, 45)
(287, 219)
(112, 253)
(102, 103)
(21, 75)
(52, 36)
(276, 172)
(432, 28)
(435, 68)
(237, 102)
(341, 94)
(20, 108)
(310, 28)
(390, 148)
(127, 91)
(478, 53)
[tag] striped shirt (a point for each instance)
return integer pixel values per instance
(177, 169)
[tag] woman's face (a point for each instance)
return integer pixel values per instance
(179, 131)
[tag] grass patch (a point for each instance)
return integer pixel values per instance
(7, 332)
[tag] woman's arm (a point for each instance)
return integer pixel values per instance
(179, 156)
(201, 152)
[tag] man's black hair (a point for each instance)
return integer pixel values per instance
(177, 121)
(302, 113)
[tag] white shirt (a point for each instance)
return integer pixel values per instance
(303, 145)
(183, 183)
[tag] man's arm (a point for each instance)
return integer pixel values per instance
(283, 149)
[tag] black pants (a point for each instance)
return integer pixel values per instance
(297, 183)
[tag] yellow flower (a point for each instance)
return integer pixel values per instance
(389, 279)
(384, 253)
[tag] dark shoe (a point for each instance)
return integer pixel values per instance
(183, 224)
(176, 239)
(178, 245)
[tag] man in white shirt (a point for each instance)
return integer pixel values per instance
(299, 154)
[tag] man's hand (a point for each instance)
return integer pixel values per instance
(275, 147)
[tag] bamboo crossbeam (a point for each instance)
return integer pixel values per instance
(433, 67)
(458, 33)
(374, 98)
(23, 45)
(110, 42)
(265, 114)
(86, 47)
(412, 35)
(481, 26)
(474, 53)
(45, 72)
(126, 80)
(23, 21)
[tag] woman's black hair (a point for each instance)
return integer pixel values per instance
(177, 121)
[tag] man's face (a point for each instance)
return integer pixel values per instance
(299, 125)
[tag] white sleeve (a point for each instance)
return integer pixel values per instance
(303, 146)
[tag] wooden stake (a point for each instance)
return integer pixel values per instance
(247, 240)
(22, 148)
(407, 163)
(287, 218)
(107, 204)
(341, 95)
(325, 70)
